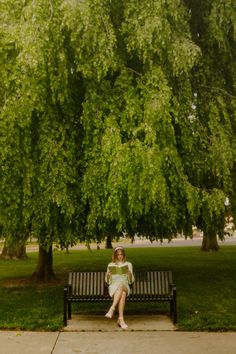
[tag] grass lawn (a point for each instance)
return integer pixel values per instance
(206, 287)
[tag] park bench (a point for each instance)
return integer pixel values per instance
(148, 286)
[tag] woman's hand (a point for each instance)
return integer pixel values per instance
(109, 275)
(129, 274)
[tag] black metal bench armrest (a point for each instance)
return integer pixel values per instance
(172, 287)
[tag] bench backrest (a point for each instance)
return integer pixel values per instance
(92, 284)
(87, 283)
(152, 283)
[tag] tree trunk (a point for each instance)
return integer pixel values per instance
(14, 252)
(108, 243)
(44, 269)
(209, 242)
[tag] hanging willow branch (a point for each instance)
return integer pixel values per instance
(51, 9)
(134, 71)
(219, 89)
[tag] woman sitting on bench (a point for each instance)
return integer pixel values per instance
(119, 276)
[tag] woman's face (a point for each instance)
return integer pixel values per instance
(119, 256)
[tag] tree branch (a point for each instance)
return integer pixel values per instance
(51, 8)
(218, 89)
(134, 71)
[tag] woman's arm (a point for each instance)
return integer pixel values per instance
(130, 273)
(108, 276)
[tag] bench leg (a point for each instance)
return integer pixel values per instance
(65, 307)
(173, 307)
(69, 310)
(173, 312)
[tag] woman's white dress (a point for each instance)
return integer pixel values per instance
(119, 279)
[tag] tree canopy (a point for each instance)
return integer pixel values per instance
(116, 116)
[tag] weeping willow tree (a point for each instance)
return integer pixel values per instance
(40, 130)
(213, 25)
(14, 145)
(134, 178)
(106, 126)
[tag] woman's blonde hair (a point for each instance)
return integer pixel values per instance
(114, 256)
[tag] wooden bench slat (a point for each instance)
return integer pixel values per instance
(94, 287)
(101, 283)
(77, 282)
(153, 283)
(162, 284)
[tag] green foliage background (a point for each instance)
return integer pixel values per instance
(116, 116)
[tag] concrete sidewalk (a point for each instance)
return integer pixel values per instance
(96, 335)
(151, 342)
(83, 323)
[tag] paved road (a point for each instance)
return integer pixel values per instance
(178, 242)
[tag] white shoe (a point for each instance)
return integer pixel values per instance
(110, 313)
(121, 323)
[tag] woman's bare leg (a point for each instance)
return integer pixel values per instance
(121, 307)
(116, 300)
(121, 304)
(117, 297)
